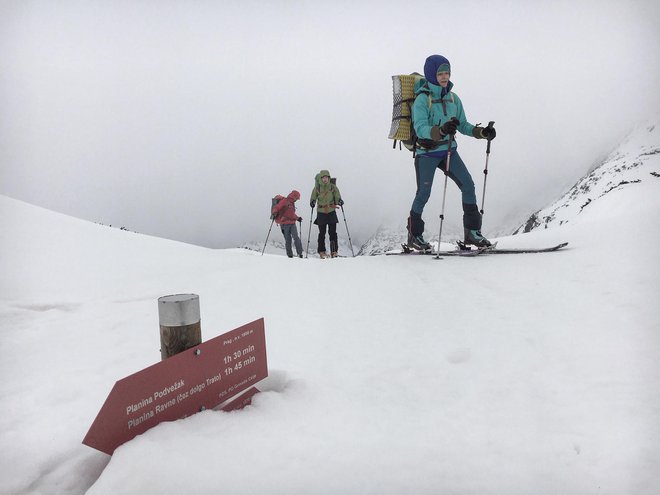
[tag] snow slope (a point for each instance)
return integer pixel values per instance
(635, 161)
(510, 374)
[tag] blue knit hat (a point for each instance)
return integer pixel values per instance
(432, 65)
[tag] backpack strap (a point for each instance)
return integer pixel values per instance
(429, 143)
(415, 140)
(443, 102)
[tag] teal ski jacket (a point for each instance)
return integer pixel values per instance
(435, 105)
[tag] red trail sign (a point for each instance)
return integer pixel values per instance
(199, 378)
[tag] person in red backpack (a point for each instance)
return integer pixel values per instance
(286, 217)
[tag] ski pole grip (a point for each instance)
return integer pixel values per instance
(489, 126)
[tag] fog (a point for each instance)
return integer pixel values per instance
(182, 119)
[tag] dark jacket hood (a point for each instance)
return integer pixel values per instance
(431, 67)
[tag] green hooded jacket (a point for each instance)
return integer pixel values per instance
(325, 195)
(434, 107)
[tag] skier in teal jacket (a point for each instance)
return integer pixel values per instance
(437, 113)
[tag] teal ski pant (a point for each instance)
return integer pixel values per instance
(425, 168)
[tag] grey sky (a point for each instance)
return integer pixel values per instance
(181, 119)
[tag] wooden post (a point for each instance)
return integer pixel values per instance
(180, 324)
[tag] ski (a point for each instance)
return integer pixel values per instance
(527, 250)
(405, 249)
(454, 252)
(475, 252)
(465, 252)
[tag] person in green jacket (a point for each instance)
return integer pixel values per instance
(438, 113)
(327, 196)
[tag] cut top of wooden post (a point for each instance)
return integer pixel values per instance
(178, 310)
(180, 324)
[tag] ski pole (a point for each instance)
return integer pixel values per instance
(444, 193)
(309, 233)
(300, 237)
(347, 232)
(271, 226)
(483, 195)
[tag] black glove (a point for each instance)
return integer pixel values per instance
(484, 133)
(489, 133)
(300, 219)
(312, 203)
(340, 202)
(450, 126)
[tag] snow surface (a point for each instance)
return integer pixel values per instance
(500, 374)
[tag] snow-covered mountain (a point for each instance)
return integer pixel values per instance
(635, 161)
(385, 239)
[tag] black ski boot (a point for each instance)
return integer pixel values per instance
(417, 242)
(475, 238)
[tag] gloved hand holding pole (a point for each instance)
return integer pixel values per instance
(491, 134)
